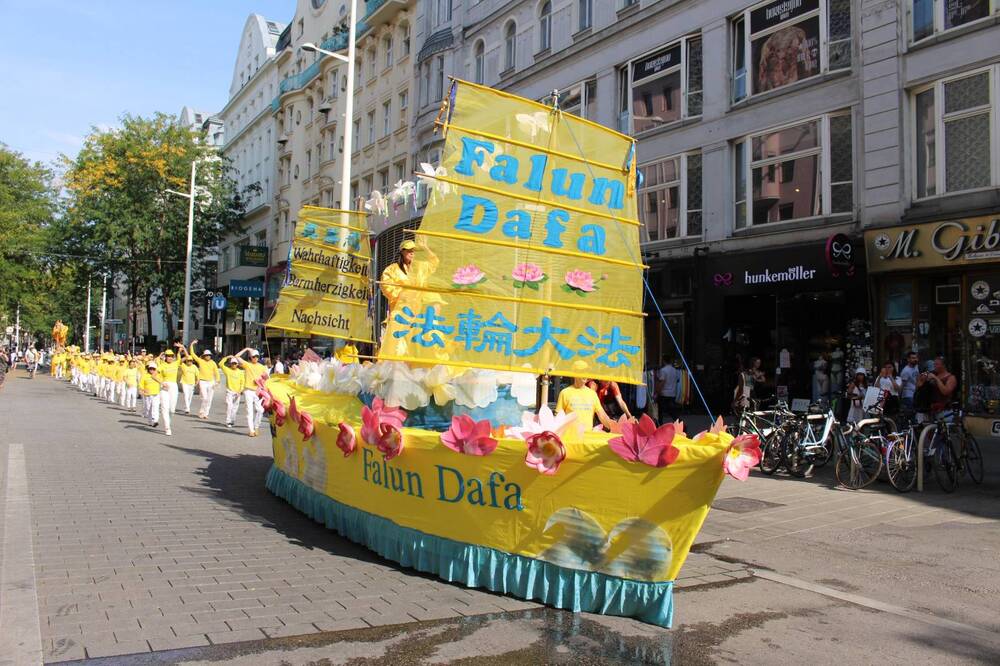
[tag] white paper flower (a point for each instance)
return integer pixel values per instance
(348, 379)
(524, 387)
(404, 388)
(476, 388)
(402, 192)
(430, 178)
(377, 204)
(374, 376)
(437, 381)
(544, 421)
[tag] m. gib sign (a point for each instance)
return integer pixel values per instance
(951, 243)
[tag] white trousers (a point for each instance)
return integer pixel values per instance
(255, 410)
(130, 395)
(59, 371)
(188, 390)
(172, 394)
(207, 390)
(232, 406)
(110, 390)
(120, 391)
(74, 376)
(159, 410)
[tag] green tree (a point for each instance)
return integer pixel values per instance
(120, 214)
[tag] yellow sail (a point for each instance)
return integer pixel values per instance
(328, 286)
(528, 254)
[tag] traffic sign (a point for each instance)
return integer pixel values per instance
(113, 321)
(218, 302)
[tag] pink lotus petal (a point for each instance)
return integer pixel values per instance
(306, 425)
(646, 426)
(346, 439)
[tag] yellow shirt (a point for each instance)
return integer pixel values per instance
(252, 372)
(208, 371)
(583, 401)
(168, 370)
(118, 373)
(395, 281)
(149, 385)
(189, 374)
(131, 376)
(235, 377)
(347, 354)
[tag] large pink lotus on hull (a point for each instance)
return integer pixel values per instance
(347, 441)
(743, 453)
(643, 442)
(377, 415)
(389, 441)
(469, 436)
(546, 452)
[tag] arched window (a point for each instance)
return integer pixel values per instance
(509, 45)
(480, 63)
(545, 26)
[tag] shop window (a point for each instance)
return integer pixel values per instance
(932, 16)
(778, 43)
(789, 179)
(666, 85)
(670, 199)
(954, 139)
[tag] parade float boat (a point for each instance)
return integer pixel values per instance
(435, 453)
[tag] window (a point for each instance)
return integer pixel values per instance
(355, 197)
(956, 146)
(545, 26)
(386, 117)
(443, 11)
(224, 260)
(670, 198)
(579, 99)
(371, 128)
(509, 46)
(400, 171)
(359, 71)
(778, 43)
(367, 188)
(404, 98)
(439, 77)
(797, 172)
(383, 179)
(658, 81)
(261, 237)
(356, 133)
(405, 29)
(479, 76)
(331, 149)
(930, 16)
(387, 47)
(425, 89)
(586, 13)
(309, 161)
(372, 65)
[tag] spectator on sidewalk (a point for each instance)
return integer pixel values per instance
(666, 392)
(908, 380)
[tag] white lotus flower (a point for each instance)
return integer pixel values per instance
(404, 388)
(437, 380)
(533, 122)
(377, 204)
(348, 379)
(476, 388)
(545, 420)
(374, 377)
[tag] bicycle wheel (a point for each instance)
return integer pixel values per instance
(945, 463)
(973, 459)
(859, 465)
(771, 453)
(901, 465)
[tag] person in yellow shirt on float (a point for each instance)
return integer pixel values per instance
(131, 379)
(407, 271)
(169, 365)
(235, 378)
(189, 376)
(208, 377)
(584, 402)
(348, 353)
(153, 389)
(252, 370)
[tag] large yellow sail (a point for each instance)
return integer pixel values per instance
(328, 286)
(528, 254)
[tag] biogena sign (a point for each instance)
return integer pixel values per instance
(934, 244)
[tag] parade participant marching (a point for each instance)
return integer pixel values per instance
(208, 377)
(153, 388)
(253, 370)
(189, 376)
(235, 383)
(169, 365)
(121, 366)
(130, 378)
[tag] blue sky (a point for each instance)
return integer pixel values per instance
(68, 65)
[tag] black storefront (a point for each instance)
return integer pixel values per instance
(791, 306)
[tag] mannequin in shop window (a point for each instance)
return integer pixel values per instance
(821, 381)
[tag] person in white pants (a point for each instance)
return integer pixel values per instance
(208, 377)
(131, 386)
(154, 387)
(234, 377)
(189, 379)
(252, 371)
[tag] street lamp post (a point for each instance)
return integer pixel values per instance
(187, 262)
(345, 174)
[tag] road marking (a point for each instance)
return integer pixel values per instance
(875, 604)
(20, 633)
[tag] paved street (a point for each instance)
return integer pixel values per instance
(117, 540)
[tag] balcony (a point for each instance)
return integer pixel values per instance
(381, 11)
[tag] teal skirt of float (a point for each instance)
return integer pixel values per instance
(479, 566)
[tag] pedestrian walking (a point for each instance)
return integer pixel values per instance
(235, 381)
(666, 392)
(208, 378)
(908, 380)
(253, 370)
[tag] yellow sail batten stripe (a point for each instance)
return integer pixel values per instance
(305, 265)
(515, 299)
(537, 149)
(533, 200)
(317, 244)
(544, 250)
(313, 332)
(508, 368)
(304, 217)
(306, 294)
(531, 102)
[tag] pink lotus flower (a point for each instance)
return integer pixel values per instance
(347, 441)
(581, 280)
(469, 436)
(306, 425)
(644, 442)
(528, 273)
(679, 428)
(467, 275)
(546, 452)
(743, 453)
(266, 399)
(389, 440)
(377, 415)
(544, 421)
(293, 410)
(280, 412)
(616, 426)
(716, 429)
